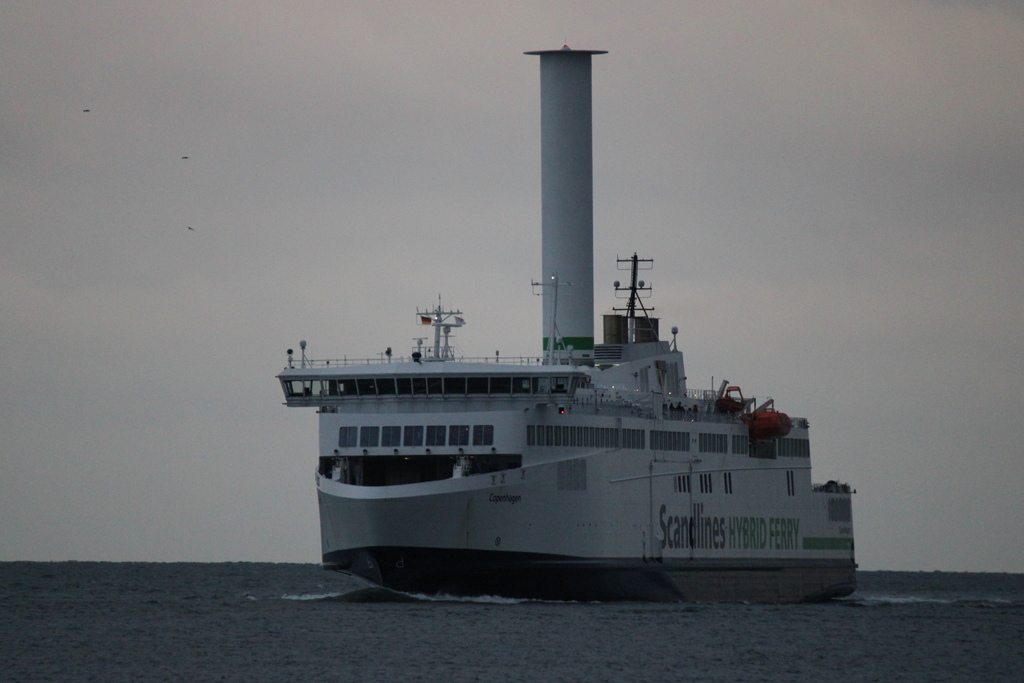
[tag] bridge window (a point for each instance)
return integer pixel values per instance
(521, 385)
(419, 386)
(366, 386)
(476, 385)
(454, 386)
(501, 385)
(403, 386)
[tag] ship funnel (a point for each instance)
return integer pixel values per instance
(567, 200)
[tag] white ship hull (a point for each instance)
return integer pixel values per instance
(622, 530)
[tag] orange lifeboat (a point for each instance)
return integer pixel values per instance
(728, 403)
(767, 424)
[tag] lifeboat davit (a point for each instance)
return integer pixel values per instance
(767, 424)
(729, 403)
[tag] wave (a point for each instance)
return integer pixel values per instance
(887, 600)
(360, 595)
(481, 599)
(312, 596)
(378, 594)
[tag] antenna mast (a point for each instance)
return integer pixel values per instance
(554, 348)
(442, 321)
(637, 289)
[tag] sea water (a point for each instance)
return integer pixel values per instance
(83, 621)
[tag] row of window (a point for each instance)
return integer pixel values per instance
(713, 443)
(392, 436)
(793, 448)
(633, 438)
(669, 441)
(581, 437)
(424, 386)
(602, 437)
(681, 484)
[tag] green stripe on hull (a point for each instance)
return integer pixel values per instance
(577, 343)
(826, 543)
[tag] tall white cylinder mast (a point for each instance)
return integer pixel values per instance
(567, 196)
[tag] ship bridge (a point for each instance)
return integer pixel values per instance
(340, 385)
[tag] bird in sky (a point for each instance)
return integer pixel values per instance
(85, 111)
(191, 228)
(184, 157)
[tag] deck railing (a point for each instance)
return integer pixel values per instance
(384, 360)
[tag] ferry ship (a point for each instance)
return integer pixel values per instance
(591, 471)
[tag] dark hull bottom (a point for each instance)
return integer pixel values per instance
(430, 571)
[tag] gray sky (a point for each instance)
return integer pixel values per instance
(832, 192)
